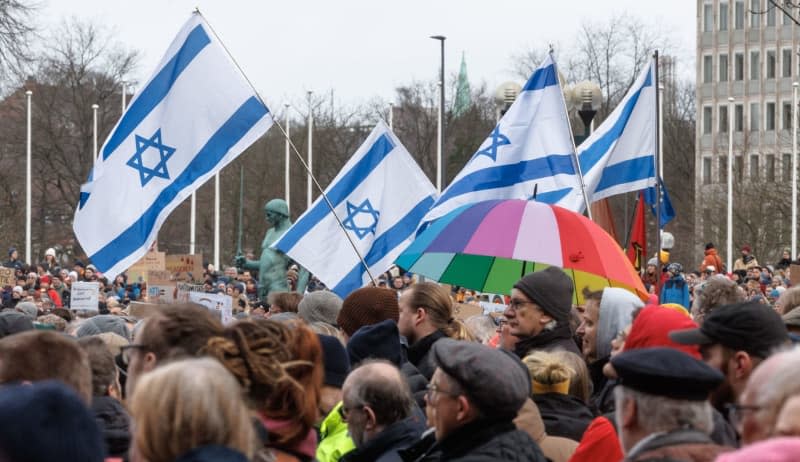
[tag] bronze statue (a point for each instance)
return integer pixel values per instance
(273, 265)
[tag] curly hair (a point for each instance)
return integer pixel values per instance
(715, 292)
(280, 369)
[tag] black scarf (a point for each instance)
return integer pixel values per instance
(542, 341)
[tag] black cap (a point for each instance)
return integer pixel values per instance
(751, 326)
(666, 372)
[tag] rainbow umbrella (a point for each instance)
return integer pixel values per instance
(489, 245)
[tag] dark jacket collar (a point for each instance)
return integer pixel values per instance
(420, 348)
(472, 435)
(398, 435)
(664, 439)
(546, 340)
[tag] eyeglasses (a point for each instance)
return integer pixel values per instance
(125, 351)
(517, 304)
(344, 411)
(736, 413)
(432, 392)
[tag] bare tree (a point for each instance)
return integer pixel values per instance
(16, 31)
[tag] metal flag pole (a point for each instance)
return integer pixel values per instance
(286, 177)
(654, 63)
(391, 116)
(94, 134)
(440, 123)
(661, 130)
(729, 248)
(216, 222)
(794, 171)
(241, 208)
(28, 95)
(575, 160)
(192, 223)
(309, 179)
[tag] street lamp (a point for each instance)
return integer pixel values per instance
(504, 96)
(440, 166)
(587, 97)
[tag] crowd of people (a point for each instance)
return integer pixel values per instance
(396, 373)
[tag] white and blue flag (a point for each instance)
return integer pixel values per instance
(620, 155)
(529, 150)
(193, 116)
(381, 196)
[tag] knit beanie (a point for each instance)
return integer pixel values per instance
(321, 305)
(335, 360)
(47, 421)
(652, 326)
(28, 309)
(379, 341)
(551, 289)
(13, 322)
(366, 306)
(103, 323)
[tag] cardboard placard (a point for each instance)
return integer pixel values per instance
(185, 267)
(157, 277)
(152, 261)
(161, 293)
(462, 311)
(218, 304)
(794, 275)
(141, 310)
(85, 296)
(7, 277)
(183, 289)
(492, 307)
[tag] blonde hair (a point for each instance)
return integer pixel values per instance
(188, 404)
(436, 302)
(580, 383)
(548, 374)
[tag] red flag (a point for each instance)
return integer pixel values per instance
(637, 248)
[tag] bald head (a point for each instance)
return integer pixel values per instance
(380, 387)
(770, 385)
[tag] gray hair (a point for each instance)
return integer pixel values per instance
(782, 385)
(481, 326)
(388, 395)
(661, 414)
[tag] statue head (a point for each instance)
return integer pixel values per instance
(276, 210)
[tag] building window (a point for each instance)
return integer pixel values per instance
(706, 120)
(723, 119)
(755, 65)
(738, 168)
(787, 168)
(787, 18)
(787, 116)
(770, 14)
(755, 14)
(754, 167)
(738, 117)
(723, 68)
(706, 170)
(708, 70)
(770, 167)
(770, 116)
(754, 117)
(738, 15)
(723, 169)
(738, 66)
(771, 63)
(786, 62)
(723, 16)
(708, 17)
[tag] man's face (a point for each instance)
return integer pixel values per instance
(14, 255)
(88, 274)
(588, 330)
(405, 322)
(398, 283)
(525, 318)
(717, 356)
(356, 417)
(442, 407)
(139, 361)
(751, 424)
(745, 252)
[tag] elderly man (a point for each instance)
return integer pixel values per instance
(377, 404)
(539, 312)
(662, 405)
(474, 395)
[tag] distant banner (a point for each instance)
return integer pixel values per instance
(85, 296)
(187, 267)
(152, 261)
(7, 277)
(218, 304)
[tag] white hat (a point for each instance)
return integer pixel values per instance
(50, 252)
(18, 289)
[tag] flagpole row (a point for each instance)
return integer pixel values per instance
(658, 163)
(327, 201)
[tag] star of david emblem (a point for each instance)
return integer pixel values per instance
(164, 153)
(361, 219)
(498, 139)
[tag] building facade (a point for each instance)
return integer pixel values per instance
(747, 51)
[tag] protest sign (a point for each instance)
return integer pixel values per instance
(85, 296)
(794, 275)
(152, 261)
(161, 293)
(463, 311)
(183, 290)
(7, 277)
(185, 267)
(219, 304)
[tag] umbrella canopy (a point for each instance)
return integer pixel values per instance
(489, 245)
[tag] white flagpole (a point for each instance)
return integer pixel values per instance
(794, 171)
(391, 116)
(192, 222)
(94, 134)
(28, 182)
(216, 222)
(439, 145)
(661, 130)
(729, 248)
(123, 95)
(286, 168)
(309, 180)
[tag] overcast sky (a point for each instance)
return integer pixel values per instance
(365, 48)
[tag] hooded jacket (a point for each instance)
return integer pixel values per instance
(616, 307)
(334, 440)
(711, 259)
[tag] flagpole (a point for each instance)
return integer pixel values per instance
(440, 166)
(658, 171)
(794, 171)
(216, 222)
(575, 160)
(287, 189)
(94, 134)
(192, 223)
(310, 152)
(28, 95)
(730, 186)
(661, 130)
(391, 116)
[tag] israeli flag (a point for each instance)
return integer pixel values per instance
(619, 156)
(530, 150)
(192, 117)
(380, 196)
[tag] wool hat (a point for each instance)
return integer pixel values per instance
(51, 252)
(44, 279)
(490, 378)
(709, 246)
(29, 412)
(666, 372)
(28, 309)
(365, 306)
(321, 305)
(652, 326)
(746, 248)
(18, 289)
(103, 323)
(11, 250)
(13, 322)
(551, 289)
(335, 360)
(380, 341)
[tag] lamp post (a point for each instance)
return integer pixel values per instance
(440, 164)
(504, 96)
(587, 96)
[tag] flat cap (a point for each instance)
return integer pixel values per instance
(493, 381)
(666, 372)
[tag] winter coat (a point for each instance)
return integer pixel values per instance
(419, 354)
(212, 453)
(555, 448)
(115, 424)
(711, 259)
(563, 415)
(416, 382)
(334, 440)
(679, 445)
(385, 445)
(676, 290)
(745, 263)
(479, 441)
(559, 338)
